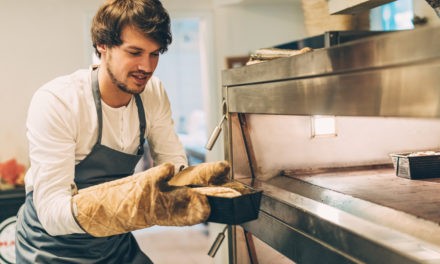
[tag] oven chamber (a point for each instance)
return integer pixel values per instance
(337, 198)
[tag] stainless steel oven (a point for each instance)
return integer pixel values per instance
(336, 198)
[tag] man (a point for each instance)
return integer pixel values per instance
(86, 132)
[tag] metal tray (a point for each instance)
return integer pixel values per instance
(329, 39)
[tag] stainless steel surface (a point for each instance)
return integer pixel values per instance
(266, 144)
(376, 76)
(384, 91)
(348, 238)
(386, 50)
(380, 214)
(217, 243)
(217, 130)
(214, 135)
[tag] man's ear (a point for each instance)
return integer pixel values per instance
(101, 48)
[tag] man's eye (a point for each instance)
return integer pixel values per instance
(135, 53)
(155, 54)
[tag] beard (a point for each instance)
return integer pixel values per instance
(120, 84)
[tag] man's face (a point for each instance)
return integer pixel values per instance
(131, 64)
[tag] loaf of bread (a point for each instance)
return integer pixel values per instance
(423, 153)
(217, 191)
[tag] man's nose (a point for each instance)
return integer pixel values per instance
(143, 67)
(146, 65)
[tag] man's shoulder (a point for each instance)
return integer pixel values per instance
(64, 83)
(70, 89)
(68, 85)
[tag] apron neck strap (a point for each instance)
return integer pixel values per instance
(142, 123)
(97, 98)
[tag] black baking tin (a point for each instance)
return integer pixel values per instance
(416, 167)
(236, 210)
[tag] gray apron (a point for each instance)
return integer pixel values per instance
(35, 245)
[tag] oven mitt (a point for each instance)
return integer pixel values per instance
(138, 201)
(211, 173)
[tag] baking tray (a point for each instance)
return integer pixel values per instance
(416, 167)
(236, 210)
(329, 39)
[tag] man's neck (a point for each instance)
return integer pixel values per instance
(110, 93)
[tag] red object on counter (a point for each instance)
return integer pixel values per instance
(11, 171)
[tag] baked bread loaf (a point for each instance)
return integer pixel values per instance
(237, 186)
(423, 153)
(217, 191)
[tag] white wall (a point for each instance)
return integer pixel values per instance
(244, 28)
(47, 38)
(40, 40)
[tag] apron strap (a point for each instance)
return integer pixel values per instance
(97, 98)
(142, 123)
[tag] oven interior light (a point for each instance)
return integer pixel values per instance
(323, 126)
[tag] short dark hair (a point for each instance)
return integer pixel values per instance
(149, 16)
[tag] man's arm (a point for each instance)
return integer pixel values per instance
(50, 132)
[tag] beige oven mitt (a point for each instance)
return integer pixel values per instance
(138, 201)
(210, 173)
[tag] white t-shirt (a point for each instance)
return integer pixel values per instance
(62, 128)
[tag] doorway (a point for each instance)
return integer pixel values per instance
(182, 69)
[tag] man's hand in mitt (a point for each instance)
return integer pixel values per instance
(138, 201)
(212, 173)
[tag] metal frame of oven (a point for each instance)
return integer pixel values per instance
(379, 76)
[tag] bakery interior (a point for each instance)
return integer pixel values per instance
(320, 106)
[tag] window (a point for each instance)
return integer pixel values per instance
(397, 15)
(181, 71)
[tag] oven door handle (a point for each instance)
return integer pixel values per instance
(214, 135)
